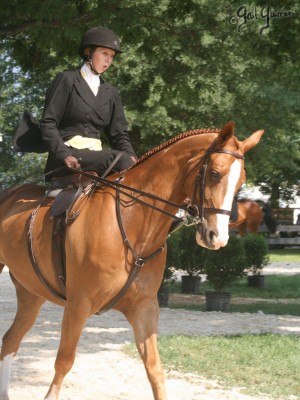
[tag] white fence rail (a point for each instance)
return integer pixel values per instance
(286, 235)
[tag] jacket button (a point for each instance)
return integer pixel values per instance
(85, 125)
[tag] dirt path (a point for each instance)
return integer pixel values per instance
(103, 371)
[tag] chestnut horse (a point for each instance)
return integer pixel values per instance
(250, 216)
(113, 234)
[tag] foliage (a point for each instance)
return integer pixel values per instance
(225, 266)
(256, 252)
(184, 66)
(27, 168)
(169, 271)
(222, 267)
(184, 253)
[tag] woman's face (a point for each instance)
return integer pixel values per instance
(102, 59)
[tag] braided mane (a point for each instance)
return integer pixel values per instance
(174, 140)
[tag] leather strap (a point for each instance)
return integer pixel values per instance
(110, 167)
(59, 253)
(232, 153)
(138, 264)
(34, 263)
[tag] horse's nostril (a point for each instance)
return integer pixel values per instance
(211, 235)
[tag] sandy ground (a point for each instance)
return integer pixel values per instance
(103, 371)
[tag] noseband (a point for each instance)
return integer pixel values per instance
(198, 213)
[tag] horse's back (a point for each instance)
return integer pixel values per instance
(249, 216)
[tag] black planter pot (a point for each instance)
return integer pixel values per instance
(190, 284)
(256, 281)
(217, 301)
(163, 296)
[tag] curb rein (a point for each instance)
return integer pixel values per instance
(197, 215)
(192, 210)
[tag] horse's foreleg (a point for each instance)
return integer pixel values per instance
(75, 315)
(27, 311)
(253, 227)
(144, 321)
(242, 229)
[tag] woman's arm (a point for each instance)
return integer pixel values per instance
(55, 105)
(117, 131)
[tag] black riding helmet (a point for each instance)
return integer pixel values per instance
(99, 37)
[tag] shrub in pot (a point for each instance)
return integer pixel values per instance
(257, 257)
(164, 289)
(189, 259)
(223, 267)
(169, 271)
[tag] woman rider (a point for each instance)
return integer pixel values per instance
(82, 109)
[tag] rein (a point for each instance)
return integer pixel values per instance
(119, 186)
(192, 209)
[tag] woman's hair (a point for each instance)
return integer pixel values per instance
(88, 52)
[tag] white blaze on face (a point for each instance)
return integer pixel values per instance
(223, 220)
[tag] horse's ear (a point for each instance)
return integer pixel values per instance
(226, 132)
(252, 140)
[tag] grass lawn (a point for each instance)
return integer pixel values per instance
(257, 364)
(285, 255)
(276, 287)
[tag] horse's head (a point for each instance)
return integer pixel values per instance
(221, 175)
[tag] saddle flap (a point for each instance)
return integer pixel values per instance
(62, 201)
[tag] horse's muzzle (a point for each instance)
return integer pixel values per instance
(207, 236)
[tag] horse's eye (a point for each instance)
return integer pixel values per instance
(216, 176)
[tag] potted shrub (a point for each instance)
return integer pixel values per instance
(223, 267)
(169, 272)
(164, 289)
(257, 257)
(190, 258)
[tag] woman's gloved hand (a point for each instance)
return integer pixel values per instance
(72, 162)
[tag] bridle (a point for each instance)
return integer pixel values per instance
(199, 213)
(196, 213)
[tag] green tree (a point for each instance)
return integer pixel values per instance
(184, 66)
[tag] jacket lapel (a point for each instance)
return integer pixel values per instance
(84, 91)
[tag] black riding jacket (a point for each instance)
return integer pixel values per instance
(72, 109)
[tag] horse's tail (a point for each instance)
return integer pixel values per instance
(268, 217)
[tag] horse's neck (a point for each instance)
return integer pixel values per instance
(165, 173)
(170, 175)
